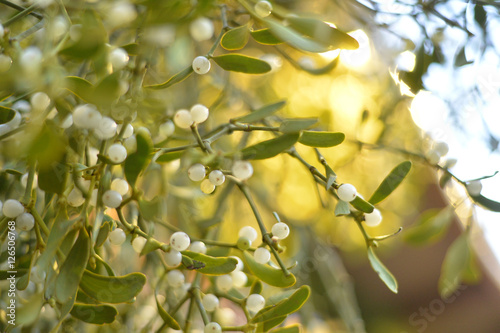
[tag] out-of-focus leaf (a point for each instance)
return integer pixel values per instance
(52, 179)
(297, 125)
(213, 265)
(6, 114)
(295, 38)
(461, 59)
(169, 157)
(264, 36)
(48, 148)
(285, 306)
(173, 80)
(269, 148)
(107, 91)
(268, 325)
(362, 205)
(150, 210)
(321, 139)
(80, 87)
(167, 319)
(260, 113)
(382, 271)
(431, 226)
(256, 287)
(91, 38)
(289, 329)
(270, 275)
(480, 15)
(236, 38)
(98, 314)
(136, 162)
(242, 63)
(112, 289)
(323, 33)
(73, 267)
(28, 311)
(454, 265)
(132, 49)
(489, 204)
(391, 182)
(19, 272)
(342, 208)
(444, 180)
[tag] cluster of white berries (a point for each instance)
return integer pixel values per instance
(14, 209)
(347, 193)
(196, 115)
(437, 151)
(197, 172)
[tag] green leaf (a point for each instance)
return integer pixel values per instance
(4, 275)
(319, 70)
(321, 139)
(150, 210)
(242, 63)
(236, 38)
(107, 91)
(213, 265)
(269, 148)
(391, 182)
(48, 147)
(489, 204)
(260, 113)
(179, 77)
(342, 208)
(168, 157)
(103, 234)
(256, 287)
(297, 125)
(264, 36)
(150, 246)
(270, 275)
(362, 205)
(6, 114)
(82, 88)
(323, 33)
(136, 162)
(431, 226)
(382, 271)
(52, 179)
(289, 329)
(132, 49)
(167, 319)
(284, 307)
(28, 312)
(268, 325)
(294, 38)
(98, 314)
(454, 265)
(73, 267)
(91, 40)
(112, 289)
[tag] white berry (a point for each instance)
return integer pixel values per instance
(117, 153)
(12, 208)
(201, 65)
(347, 192)
(128, 132)
(75, 198)
(212, 327)
(22, 106)
(240, 279)
(239, 265)
(117, 236)
(167, 128)
(138, 244)
(5, 63)
(441, 148)
(121, 14)
(262, 255)
(280, 230)
(175, 278)
(433, 156)
(118, 58)
(173, 258)
(242, 170)
(2, 30)
(111, 199)
(106, 128)
(196, 172)
(25, 221)
(224, 282)
(263, 8)
(210, 302)
(474, 187)
(207, 187)
(255, 302)
(216, 177)
(199, 113)
(31, 59)
(248, 232)
(130, 144)
(120, 185)
(374, 218)
(201, 29)
(183, 119)
(180, 241)
(198, 247)
(39, 101)
(86, 116)
(66, 122)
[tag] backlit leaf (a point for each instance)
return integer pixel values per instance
(321, 139)
(297, 125)
(489, 204)
(242, 63)
(342, 208)
(264, 36)
(431, 226)
(236, 38)
(269, 148)
(382, 271)
(260, 113)
(295, 38)
(454, 265)
(391, 182)
(362, 205)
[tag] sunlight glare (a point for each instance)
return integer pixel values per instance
(359, 57)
